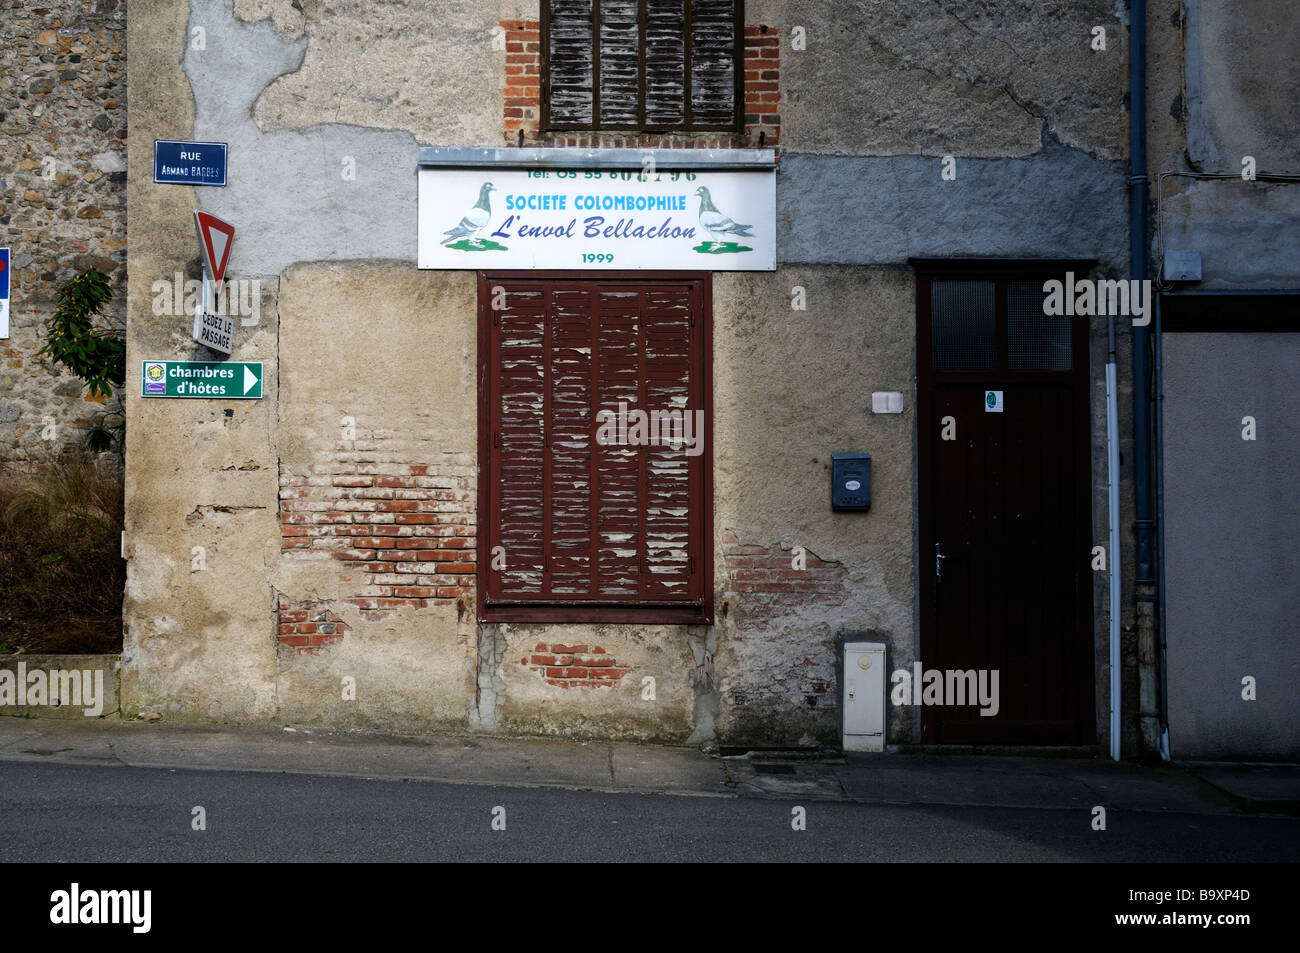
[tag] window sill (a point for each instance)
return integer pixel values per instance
(635, 615)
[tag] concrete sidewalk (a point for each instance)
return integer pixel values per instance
(894, 778)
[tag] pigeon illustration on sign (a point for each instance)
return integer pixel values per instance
(719, 226)
(464, 236)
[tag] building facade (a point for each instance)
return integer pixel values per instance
(418, 524)
(1223, 164)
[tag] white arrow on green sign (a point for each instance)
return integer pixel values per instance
(235, 380)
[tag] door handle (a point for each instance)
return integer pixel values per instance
(939, 557)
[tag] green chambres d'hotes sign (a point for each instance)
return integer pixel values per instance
(233, 380)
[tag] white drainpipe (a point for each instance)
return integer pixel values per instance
(1112, 467)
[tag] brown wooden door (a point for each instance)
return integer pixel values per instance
(1005, 500)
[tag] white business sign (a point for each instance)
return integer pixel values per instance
(577, 219)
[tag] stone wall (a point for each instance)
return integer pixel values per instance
(62, 203)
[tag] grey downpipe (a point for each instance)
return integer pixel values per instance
(1139, 190)
(1112, 532)
(1113, 544)
(1161, 632)
(1139, 193)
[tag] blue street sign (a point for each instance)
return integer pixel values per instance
(176, 162)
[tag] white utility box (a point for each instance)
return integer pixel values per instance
(863, 703)
(887, 402)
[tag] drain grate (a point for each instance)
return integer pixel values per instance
(774, 768)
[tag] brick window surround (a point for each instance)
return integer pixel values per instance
(762, 120)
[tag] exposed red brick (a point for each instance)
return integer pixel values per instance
(412, 529)
(578, 666)
(762, 51)
(307, 625)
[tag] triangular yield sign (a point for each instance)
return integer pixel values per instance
(215, 239)
(250, 379)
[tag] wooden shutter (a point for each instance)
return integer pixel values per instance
(642, 64)
(665, 65)
(618, 54)
(568, 63)
(716, 62)
(581, 525)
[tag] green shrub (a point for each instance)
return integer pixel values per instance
(96, 355)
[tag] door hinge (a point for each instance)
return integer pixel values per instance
(690, 563)
(496, 441)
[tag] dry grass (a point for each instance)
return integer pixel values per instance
(61, 571)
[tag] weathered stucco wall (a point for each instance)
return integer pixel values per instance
(1224, 86)
(377, 374)
(956, 77)
(791, 387)
(1230, 544)
(330, 192)
(644, 681)
(1241, 76)
(199, 643)
(324, 111)
(875, 210)
(402, 52)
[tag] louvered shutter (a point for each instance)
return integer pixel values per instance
(642, 64)
(666, 385)
(619, 87)
(583, 524)
(569, 63)
(665, 65)
(714, 68)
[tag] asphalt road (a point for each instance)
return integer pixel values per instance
(101, 813)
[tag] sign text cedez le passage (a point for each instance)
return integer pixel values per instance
(216, 330)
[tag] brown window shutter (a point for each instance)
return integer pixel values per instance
(667, 386)
(619, 56)
(618, 468)
(572, 441)
(582, 523)
(665, 64)
(519, 416)
(715, 39)
(643, 64)
(570, 63)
